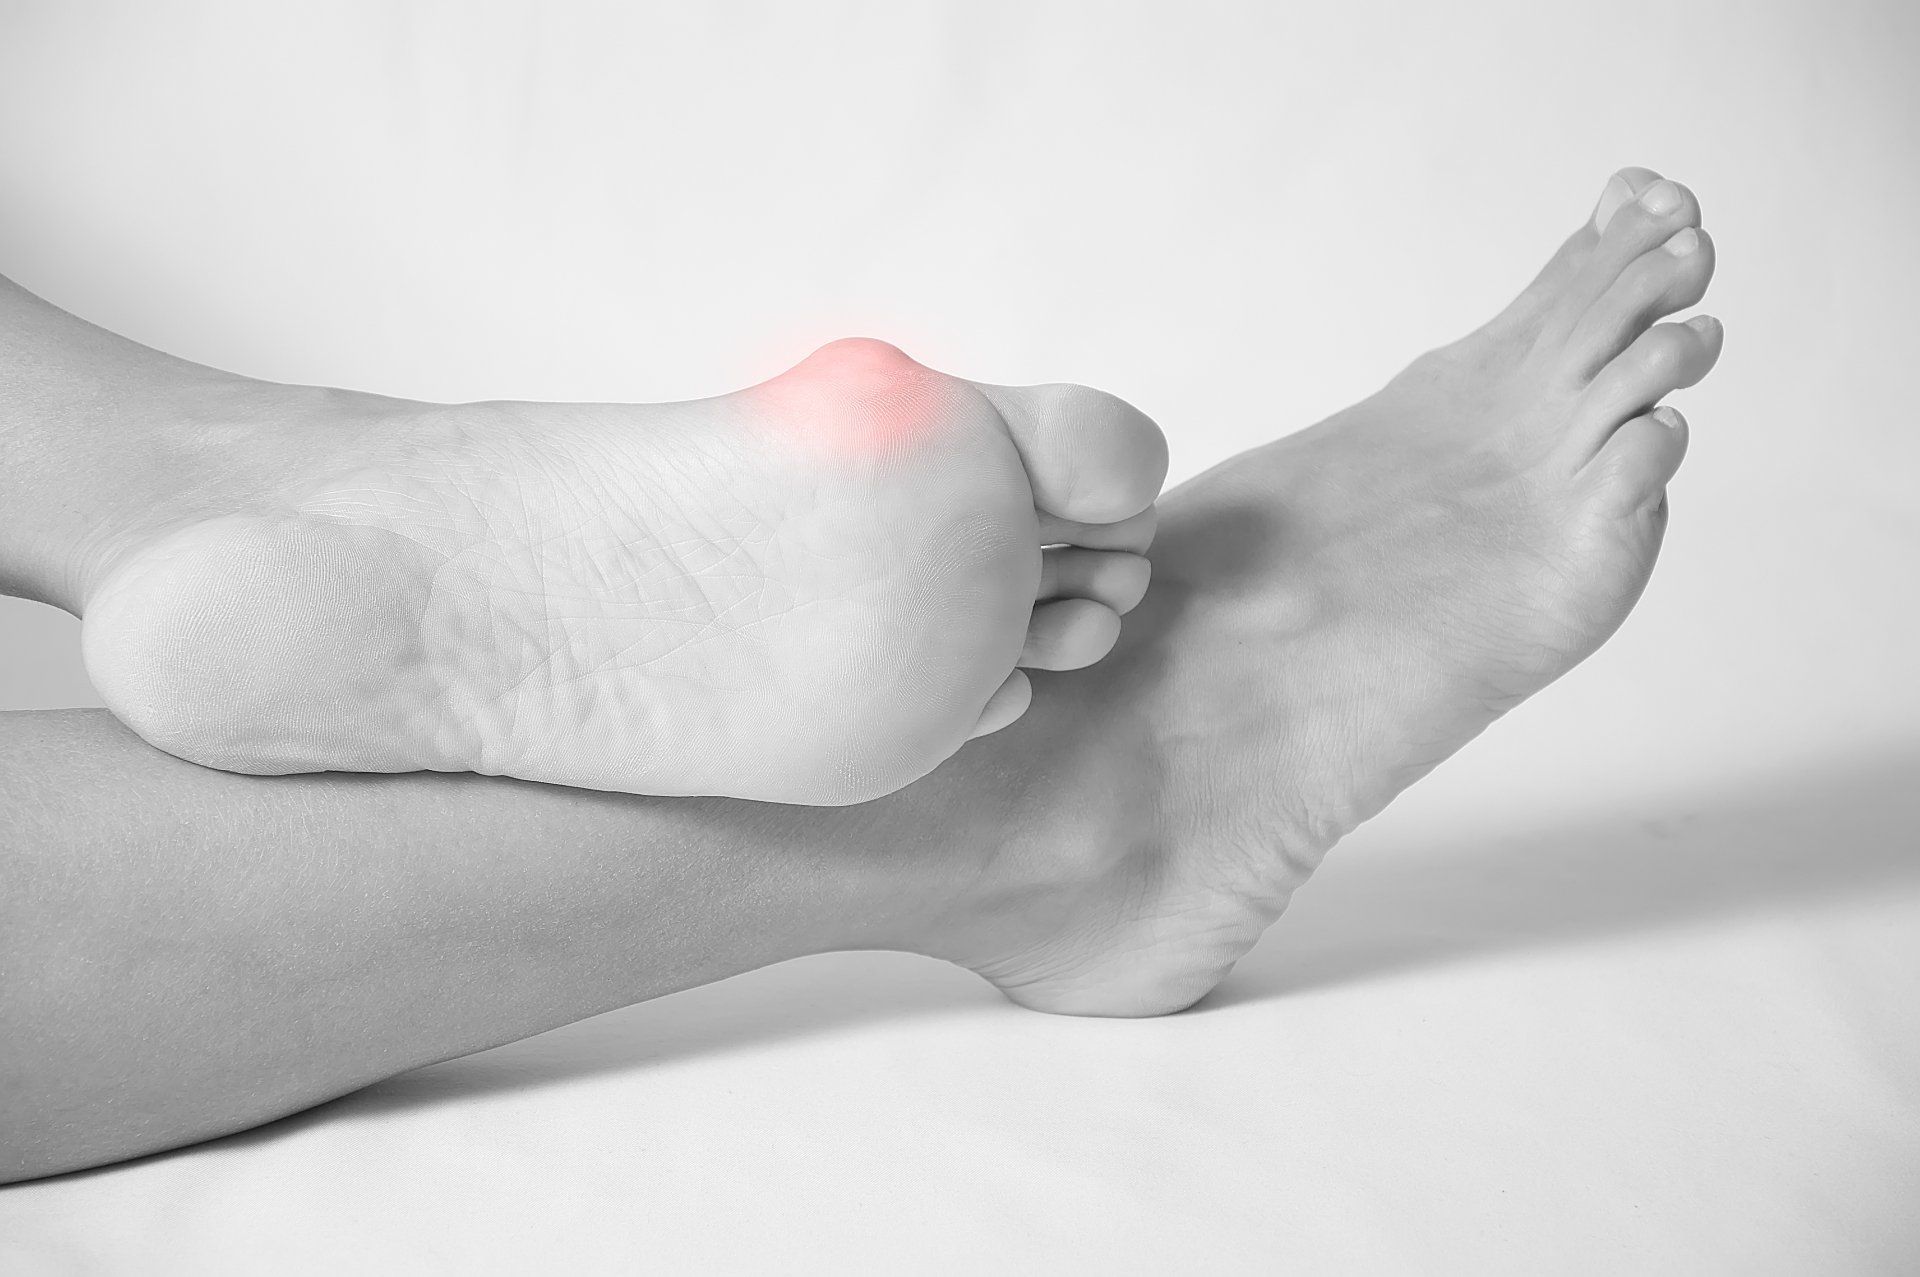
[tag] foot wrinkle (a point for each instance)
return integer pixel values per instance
(1459, 565)
(736, 596)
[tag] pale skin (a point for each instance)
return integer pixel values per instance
(191, 952)
(813, 590)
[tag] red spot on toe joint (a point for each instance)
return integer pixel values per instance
(856, 397)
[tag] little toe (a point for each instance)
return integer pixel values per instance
(1090, 456)
(1133, 534)
(1634, 466)
(1113, 577)
(1665, 358)
(1005, 706)
(1069, 634)
(1666, 279)
(1663, 208)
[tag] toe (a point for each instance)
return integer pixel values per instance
(1069, 634)
(1671, 277)
(1622, 189)
(1112, 577)
(1542, 297)
(1663, 208)
(1091, 457)
(1663, 359)
(1005, 706)
(1133, 534)
(1634, 466)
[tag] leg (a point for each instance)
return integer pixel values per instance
(108, 443)
(188, 952)
(813, 590)
(1338, 612)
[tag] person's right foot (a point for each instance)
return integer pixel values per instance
(1336, 613)
(813, 591)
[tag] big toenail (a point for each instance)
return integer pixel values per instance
(1667, 417)
(1683, 242)
(1661, 198)
(1617, 195)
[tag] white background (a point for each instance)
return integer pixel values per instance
(1628, 986)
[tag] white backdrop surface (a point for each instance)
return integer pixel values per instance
(1627, 987)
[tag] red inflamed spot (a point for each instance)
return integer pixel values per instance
(856, 398)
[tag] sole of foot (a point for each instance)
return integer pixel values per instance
(811, 591)
(1337, 613)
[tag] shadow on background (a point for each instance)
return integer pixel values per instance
(1826, 833)
(1819, 835)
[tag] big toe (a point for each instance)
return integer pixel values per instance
(1621, 233)
(1545, 296)
(1622, 189)
(1091, 457)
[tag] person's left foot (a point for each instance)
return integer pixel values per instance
(1335, 614)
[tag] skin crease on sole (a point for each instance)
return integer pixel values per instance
(1331, 616)
(811, 591)
(1335, 614)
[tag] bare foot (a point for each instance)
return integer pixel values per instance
(1336, 613)
(812, 591)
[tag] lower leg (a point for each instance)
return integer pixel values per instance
(1336, 613)
(109, 443)
(190, 953)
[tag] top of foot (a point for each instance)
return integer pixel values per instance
(1335, 614)
(811, 591)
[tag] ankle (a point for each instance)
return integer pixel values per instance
(1045, 846)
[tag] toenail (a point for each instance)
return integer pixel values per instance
(1617, 194)
(1661, 198)
(1705, 325)
(1683, 242)
(1667, 417)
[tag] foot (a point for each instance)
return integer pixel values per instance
(812, 591)
(1336, 613)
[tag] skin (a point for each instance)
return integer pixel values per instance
(1333, 615)
(811, 591)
